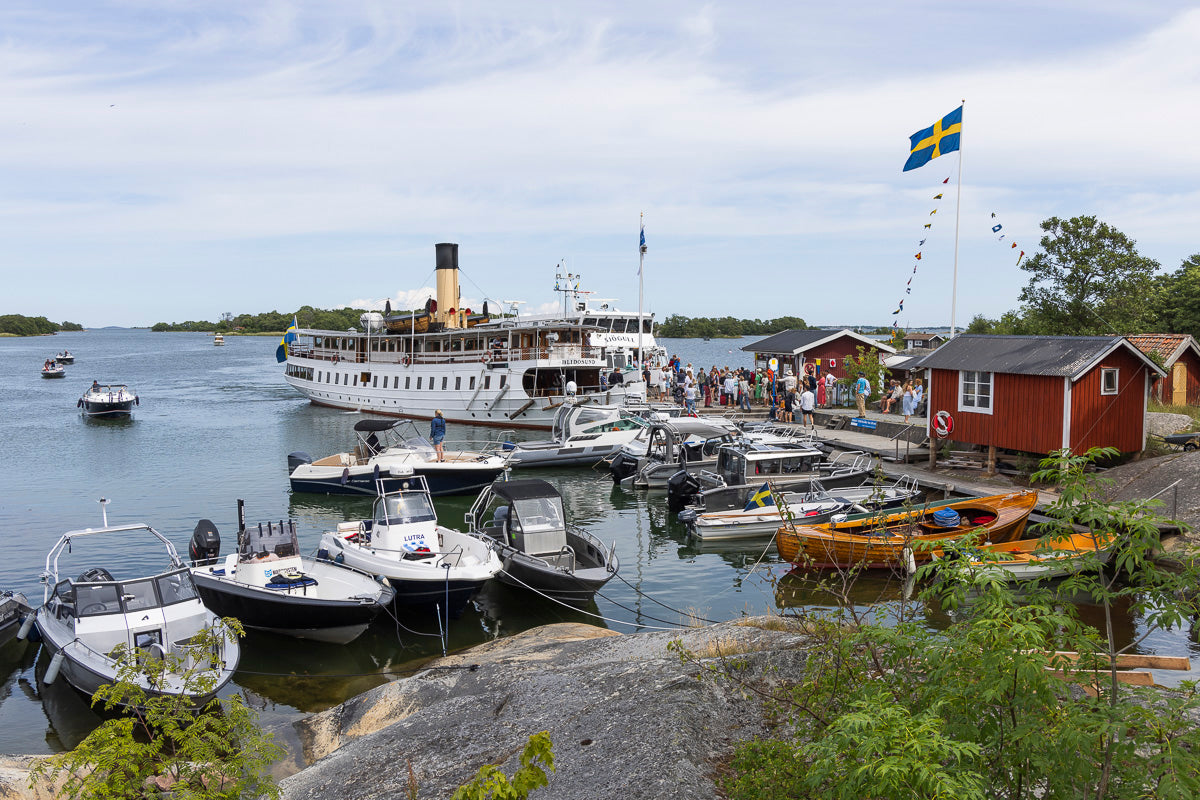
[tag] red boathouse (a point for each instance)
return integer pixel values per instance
(1037, 394)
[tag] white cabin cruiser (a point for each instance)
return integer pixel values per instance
(508, 372)
(582, 435)
(269, 586)
(425, 563)
(88, 622)
(391, 451)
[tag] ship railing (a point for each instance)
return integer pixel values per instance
(494, 355)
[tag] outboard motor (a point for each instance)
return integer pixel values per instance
(622, 467)
(297, 459)
(206, 542)
(95, 575)
(682, 488)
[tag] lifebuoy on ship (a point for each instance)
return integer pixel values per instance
(407, 361)
(484, 358)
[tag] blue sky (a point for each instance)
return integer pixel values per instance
(172, 160)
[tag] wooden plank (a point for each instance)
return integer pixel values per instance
(1101, 679)
(1130, 661)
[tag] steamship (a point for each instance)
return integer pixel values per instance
(506, 372)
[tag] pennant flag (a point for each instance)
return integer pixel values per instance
(898, 310)
(1020, 257)
(909, 282)
(1014, 245)
(947, 179)
(928, 224)
(918, 256)
(937, 196)
(993, 215)
(937, 140)
(761, 499)
(289, 336)
(931, 213)
(996, 228)
(908, 290)
(921, 243)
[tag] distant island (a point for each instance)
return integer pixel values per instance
(337, 319)
(677, 326)
(21, 325)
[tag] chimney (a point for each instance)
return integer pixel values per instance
(447, 285)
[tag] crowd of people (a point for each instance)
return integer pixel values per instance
(788, 397)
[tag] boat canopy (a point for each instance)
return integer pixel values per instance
(375, 425)
(524, 489)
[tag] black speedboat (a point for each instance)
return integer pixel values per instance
(523, 522)
(110, 400)
(269, 586)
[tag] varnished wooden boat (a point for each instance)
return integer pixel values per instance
(880, 541)
(1028, 559)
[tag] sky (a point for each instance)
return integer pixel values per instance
(167, 161)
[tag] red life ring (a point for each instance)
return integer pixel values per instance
(407, 361)
(943, 423)
(484, 358)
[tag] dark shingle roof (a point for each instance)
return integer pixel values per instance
(1060, 356)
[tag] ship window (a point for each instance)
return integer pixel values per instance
(408, 381)
(375, 382)
(590, 321)
(96, 599)
(176, 587)
(487, 381)
(356, 380)
(419, 379)
(647, 326)
(457, 383)
(975, 391)
(138, 595)
(445, 381)
(431, 382)
(337, 378)
(1108, 381)
(472, 386)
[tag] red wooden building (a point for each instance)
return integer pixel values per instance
(1180, 356)
(1037, 394)
(824, 349)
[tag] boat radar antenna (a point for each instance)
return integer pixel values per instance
(515, 305)
(104, 510)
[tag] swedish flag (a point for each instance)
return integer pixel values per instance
(940, 138)
(289, 336)
(760, 499)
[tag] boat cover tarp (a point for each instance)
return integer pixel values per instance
(524, 489)
(375, 424)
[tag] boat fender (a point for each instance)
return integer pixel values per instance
(26, 624)
(79, 404)
(52, 670)
(345, 476)
(136, 401)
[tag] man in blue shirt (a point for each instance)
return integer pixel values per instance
(861, 390)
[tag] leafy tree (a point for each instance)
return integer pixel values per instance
(1177, 299)
(70, 326)
(490, 782)
(21, 325)
(1089, 279)
(162, 743)
(867, 362)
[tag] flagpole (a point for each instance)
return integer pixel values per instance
(641, 263)
(957, 214)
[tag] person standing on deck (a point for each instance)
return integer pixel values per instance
(437, 432)
(830, 388)
(807, 402)
(861, 390)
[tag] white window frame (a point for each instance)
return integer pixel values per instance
(1104, 373)
(976, 381)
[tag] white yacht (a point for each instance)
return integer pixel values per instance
(511, 372)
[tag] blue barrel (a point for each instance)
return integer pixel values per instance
(946, 518)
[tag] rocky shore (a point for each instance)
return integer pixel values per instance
(627, 717)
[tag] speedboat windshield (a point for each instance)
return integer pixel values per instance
(404, 507)
(93, 599)
(538, 514)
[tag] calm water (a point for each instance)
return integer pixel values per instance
(216, 424)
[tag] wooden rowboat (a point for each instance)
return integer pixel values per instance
(880, 541)
(1038, 558)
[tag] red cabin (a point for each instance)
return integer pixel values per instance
(1180, 357)
(1037, 394)
(824, 349)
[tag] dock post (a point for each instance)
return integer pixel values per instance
(991, 460)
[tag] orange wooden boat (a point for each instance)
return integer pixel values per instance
(879, 541)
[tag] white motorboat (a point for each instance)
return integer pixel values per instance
(109, 400)
(88, 622)
(583, 434)
(507, 372)
(53, 369)
(391, 451)
(657, 452)
(269, 586)
(425, 563)
(14, 610)
(524, 522)
(218, 340)
(65, 357)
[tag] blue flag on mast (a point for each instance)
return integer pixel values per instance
(642, 245)
(289, 336)
(940, 138)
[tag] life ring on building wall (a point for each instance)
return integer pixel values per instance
(943, 423)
